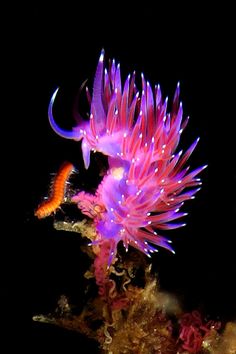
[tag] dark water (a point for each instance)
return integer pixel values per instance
(60, 47)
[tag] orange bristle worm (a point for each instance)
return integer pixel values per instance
(57, 194)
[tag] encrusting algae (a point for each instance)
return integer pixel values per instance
(124, 317)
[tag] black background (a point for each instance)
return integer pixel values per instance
(60, 46)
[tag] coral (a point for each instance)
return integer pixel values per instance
(126, 316)
(132, 318)
(142, 327)
(224, 344)
(101, 271)
(193, 330)
(227, 343)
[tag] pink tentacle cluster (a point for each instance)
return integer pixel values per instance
(193, 330)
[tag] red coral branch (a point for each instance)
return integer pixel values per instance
(193, 330)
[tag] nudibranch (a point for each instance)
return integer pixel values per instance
(147, 181)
